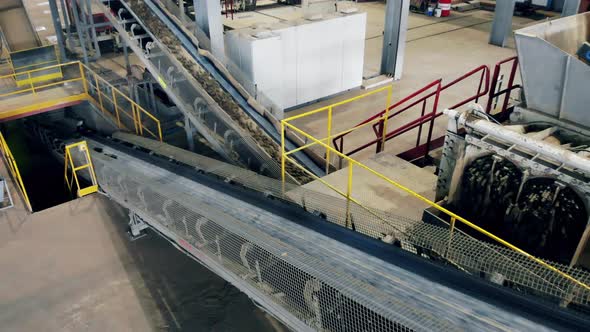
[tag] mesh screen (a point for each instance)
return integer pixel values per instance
(471, 255)
(301, 282)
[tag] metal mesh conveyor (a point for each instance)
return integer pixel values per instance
(308, 273)
(466, 253)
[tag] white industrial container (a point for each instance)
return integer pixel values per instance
(296, 62)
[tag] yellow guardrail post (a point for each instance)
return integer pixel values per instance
(31, 82)
(83, 77)
(348, 192)
(385, 119)
(283, 156)
(115, 106)
(329, 138)
(451, 232)
(13, 168)
(69, 162)
(98, 92)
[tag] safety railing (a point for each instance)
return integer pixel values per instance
(81, 83)
(496, 84)
(78, 153)
(425, 118)
(493, 257)
(14, 172)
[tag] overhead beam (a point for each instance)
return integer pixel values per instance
(502, 26)
(394, 37)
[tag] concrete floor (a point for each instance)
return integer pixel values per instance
(374, 192)
(72, 268)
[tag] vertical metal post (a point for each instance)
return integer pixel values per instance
(31, 82)
(116, 106)
(67, 22)
(83, 77)
(394, 37)
(84, 21)
(283, 156)
(348, 191)
(451, 231)
(208, 19)
(181, 7)
(570, 7)
(581, 245)
(153, 98)
(385, 118)
(329, 139)
(80, 31)
(58, 29)
(502, 26)
(189, 134)
(98, 92)
(93, 31)
(432, 118)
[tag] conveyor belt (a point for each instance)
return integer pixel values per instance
(308, 272)
(229, 136)
(204, 62)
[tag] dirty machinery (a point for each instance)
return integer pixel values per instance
(527, 180)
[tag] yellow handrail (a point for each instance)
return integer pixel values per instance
(347, 195)
(84, 73)
(87, 165)
(13, 168)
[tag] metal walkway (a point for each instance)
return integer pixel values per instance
(309, 273)
(78, 83)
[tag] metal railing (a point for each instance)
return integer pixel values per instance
(13, 168)
(380, 127)
(510, 86)
(510, 262)
(80, 149)
(82, 81)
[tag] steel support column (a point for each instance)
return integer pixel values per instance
(58, 29)
(502, 26)
(181, 8)
(80, 31)
(208, 19)
(189, 134)
(93, 31)
(570, 7)
(394, 37)
(68, 23)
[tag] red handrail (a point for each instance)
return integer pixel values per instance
(493, 94)
(338, 141)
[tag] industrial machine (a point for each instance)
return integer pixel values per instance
(528, 179)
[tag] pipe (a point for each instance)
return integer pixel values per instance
(568, 158)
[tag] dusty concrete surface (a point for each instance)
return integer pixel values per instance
(18, 33)
(376, 193)
(72, 268)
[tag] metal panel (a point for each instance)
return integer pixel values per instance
(554, 79)
(542, 71)
(576, 103)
